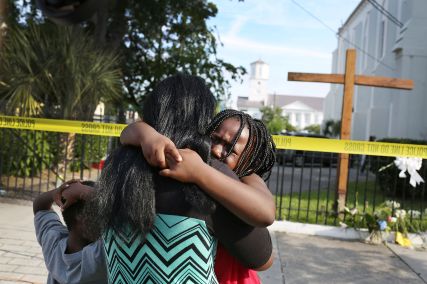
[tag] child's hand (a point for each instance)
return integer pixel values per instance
(184, 171)
(156, 147)
(75, 192)
(57, 197)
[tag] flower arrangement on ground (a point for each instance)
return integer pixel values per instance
(389, 218)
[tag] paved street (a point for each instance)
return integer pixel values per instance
(285, 178)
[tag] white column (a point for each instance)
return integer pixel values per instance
(293, 118)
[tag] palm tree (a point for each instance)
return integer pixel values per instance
(332, 128)
(275, 121)
(3, 14)
(56, 72)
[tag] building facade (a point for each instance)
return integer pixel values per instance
(388, 46)
(302, 111)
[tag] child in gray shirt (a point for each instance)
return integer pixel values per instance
(70, 257)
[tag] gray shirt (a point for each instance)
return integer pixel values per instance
(85, 266)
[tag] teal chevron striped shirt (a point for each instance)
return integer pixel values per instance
(178, 249)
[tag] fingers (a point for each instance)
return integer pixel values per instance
(165, 172)
(171, 166)
(65, 205)
(171, 150)
(167, 154)
(57, 198)
(159, 159)
(171, 161)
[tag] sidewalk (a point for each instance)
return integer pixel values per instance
(313, 259)
(298, 258)
(21, 259)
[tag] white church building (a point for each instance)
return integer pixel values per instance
(302, 111)
(389, 45)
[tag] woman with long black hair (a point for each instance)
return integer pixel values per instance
(158, 230)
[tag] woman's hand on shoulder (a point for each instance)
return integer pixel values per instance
(187, 170)
(154, 145)
(155, 149)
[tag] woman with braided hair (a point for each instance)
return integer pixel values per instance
(255, 160)
(246, 147)
(258, 155)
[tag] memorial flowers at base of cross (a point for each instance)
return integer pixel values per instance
(388, 220)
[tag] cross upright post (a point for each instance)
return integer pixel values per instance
(349, 80)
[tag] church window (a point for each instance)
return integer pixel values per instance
(381, 36)
(366, 41)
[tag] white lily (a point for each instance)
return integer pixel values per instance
(414, 213)
(401, 213)
(392, 204)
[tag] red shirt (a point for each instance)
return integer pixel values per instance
(229, 271)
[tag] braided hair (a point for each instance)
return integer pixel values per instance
(259, 154)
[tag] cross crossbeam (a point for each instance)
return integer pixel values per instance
(362, 80)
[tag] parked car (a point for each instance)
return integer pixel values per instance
(306, 158)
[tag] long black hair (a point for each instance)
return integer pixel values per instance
(180, 107)
(259, 154)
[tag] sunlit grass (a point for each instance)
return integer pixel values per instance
(317, 206)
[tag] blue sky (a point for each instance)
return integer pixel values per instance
(283, 35)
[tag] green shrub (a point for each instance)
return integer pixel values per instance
(24, 153)
(27, 153)
(87, 150)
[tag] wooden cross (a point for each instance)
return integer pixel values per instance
(349, 79)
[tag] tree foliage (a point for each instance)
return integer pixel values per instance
(314, 128)
(332, 128)
(55, 71)
(155, 38)
(275, 121)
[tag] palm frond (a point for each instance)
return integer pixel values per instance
(56, 68)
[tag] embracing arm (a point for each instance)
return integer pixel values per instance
(154, 145)
(263, 195)
(266, 265)
(250, 201)
(251, 246)
(134, 133)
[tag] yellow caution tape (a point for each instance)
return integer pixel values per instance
(350, 146)
(282, 142)
(57, 125)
